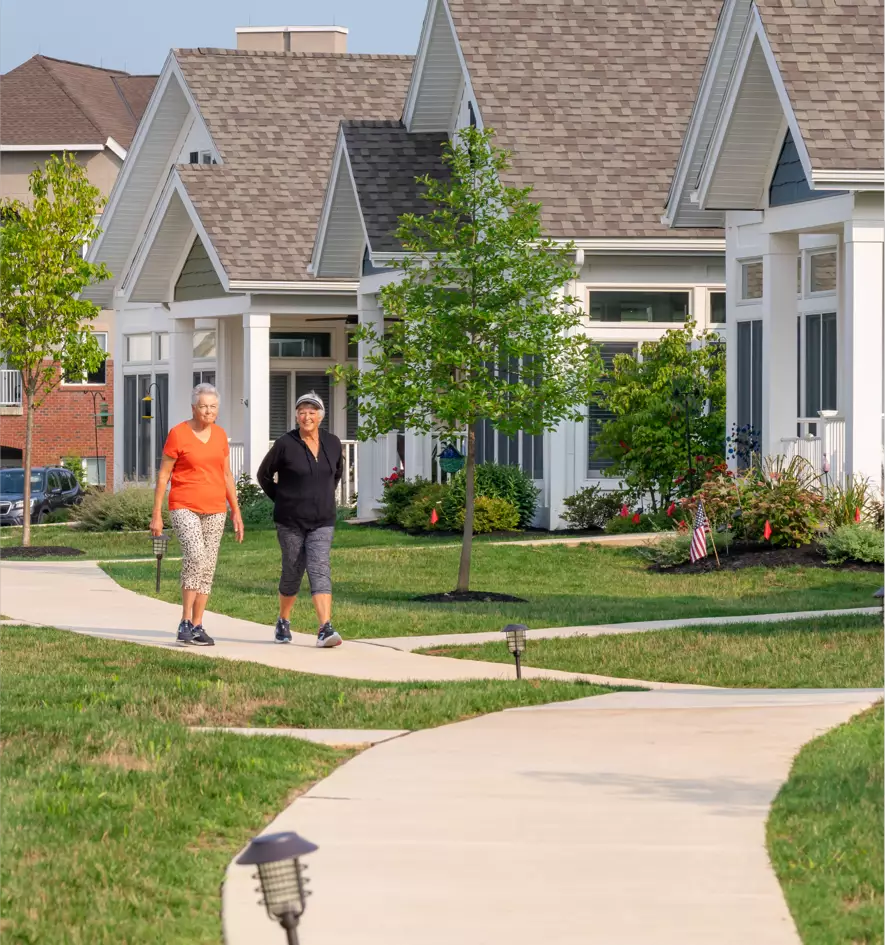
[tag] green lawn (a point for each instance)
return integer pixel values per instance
(825, 835)
(565, 586)
(118, 823)
(826, 652)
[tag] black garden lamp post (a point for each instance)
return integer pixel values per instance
(160, 544)
(277, 856)
(515, 634)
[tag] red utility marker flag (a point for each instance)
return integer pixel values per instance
(857, 515)
(671, 509)
(624, 511)
(635, 519)
(766, 532)
(434, 518)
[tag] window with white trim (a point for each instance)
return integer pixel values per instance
(751, 280)
(639, 305)
(138, 349)
(163, 346)
(99, 376)
(822, 272)
(205, 345)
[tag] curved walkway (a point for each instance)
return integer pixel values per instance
(634, 818)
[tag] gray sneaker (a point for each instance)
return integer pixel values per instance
(185, 633)
(327, 636)
(199, 637)
(282, 633)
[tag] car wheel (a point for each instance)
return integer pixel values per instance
(41, 515)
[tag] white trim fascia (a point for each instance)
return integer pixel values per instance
(848, 180)
(212, 308)
(665, 244)
(291, 29)
(179, 265)
(310, 287)
(52, 147)
(705, 90)
(117, 148)
(771, 167)
(418, 67)
(195, 109)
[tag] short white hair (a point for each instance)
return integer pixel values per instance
(200, 390)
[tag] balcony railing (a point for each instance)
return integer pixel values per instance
(346, 492)
(820, 440)
(10, 388)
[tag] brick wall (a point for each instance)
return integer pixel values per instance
(65, 425)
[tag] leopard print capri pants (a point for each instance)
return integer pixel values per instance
(199, 537)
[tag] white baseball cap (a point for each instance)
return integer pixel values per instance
(311, 397)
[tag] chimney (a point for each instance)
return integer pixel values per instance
(304, 39)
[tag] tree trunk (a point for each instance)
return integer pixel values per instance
(470, 489)
(26, 498)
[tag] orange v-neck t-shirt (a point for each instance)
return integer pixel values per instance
(198, 474)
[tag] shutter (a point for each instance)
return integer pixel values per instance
(279, 405)
(598, 416)
(319, 384)
(353, 417)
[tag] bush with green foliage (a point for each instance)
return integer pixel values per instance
(57, 516)
(397, 497)
(669, 552)
(416, 517)
(495, 482)
(74, 463)
(255, 507)
(853, 500)
(126, 510)
(592, 507)
(492, 515)
(854, 543)
(787, 495)
(636, 522)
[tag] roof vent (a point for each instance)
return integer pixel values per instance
(304, 39)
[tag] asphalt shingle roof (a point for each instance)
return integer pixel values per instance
(385, 160)
(274, 118)
(52, 101)
(593, 99)
(830, 56)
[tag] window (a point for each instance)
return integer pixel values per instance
(822, 272)
(749, 370)
(353, 347)
(163, 346)
(95, 470)
(597, 416)
(637, 305)
(299, 344)
(94, 377)
(204, 377)
(820, 363)
(54, 481)
(201, 157)
(205, 344)
(161, 416)
(717, 308)
(751, 280)
(194, 157)
(138, 349)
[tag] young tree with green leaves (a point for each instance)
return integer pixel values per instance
(44, 324)
(668, 408)
(482, 326)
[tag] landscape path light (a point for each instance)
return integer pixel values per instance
(160, 543)
(281, 874)
(515, 634)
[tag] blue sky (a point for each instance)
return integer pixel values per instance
(136, 35)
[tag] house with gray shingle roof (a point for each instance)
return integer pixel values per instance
(209, 233)
(784, 149)
(593, 101)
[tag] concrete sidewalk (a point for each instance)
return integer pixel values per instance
(593, 822)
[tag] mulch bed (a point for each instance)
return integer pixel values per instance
(469, 597)
(522, 532)
(42, 551)
(759, 555)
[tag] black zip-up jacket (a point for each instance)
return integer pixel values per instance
(304, 493)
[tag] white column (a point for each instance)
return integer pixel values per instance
(114, 477)
(779, 314)
(559, 471)
(181, 369)
(256, 389)
(862, 349)
(373, 454)
(418, 454)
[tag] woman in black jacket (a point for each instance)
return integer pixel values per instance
(308, 466)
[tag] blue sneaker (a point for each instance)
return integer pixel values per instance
(327, 636)
(282, 633)
(185, 633)
(199, 637)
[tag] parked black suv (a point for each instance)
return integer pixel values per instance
(52, 487)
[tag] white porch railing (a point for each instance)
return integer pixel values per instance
(10, 388)
(346, 491)
(821, 441)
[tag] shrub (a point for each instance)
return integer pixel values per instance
(787, 496)
(635, 522)
(416, 517)
(126, 510)
(592, 507)
(856, 498)
(75, 464)
(668, 552)
(723, 498)
(57, 516)
(397, 497)
(491, 515)
(854, 543)
(496, 482)
(255, 507)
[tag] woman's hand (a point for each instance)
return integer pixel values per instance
(156, 524)
(237, 521)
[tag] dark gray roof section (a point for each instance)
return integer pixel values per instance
(386, 160)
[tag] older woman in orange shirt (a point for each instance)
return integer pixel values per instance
(196, 459)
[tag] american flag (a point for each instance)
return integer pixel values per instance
(699, 535)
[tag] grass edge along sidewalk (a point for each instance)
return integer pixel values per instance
(827, 652)
(119, 822)
(825, 831)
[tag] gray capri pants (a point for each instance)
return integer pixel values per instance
(308, 550)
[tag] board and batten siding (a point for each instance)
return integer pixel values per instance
(198, 279)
